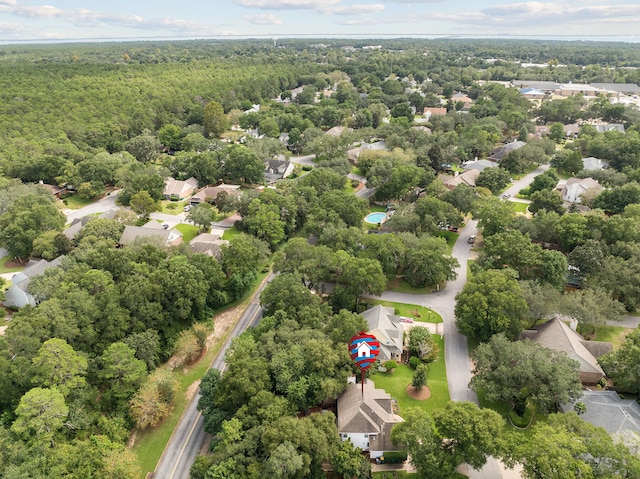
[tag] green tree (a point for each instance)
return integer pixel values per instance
(349, 462)
(556, 132)
(427, 261)
(144, 147)
(622, 364)
(58, 365)
(591, 307)
(121, 373)
(496, 179)
(214, 121)
(422, 345)
(264, 223)
(242, 165)
(51, 244)
(490, 303)
(419, 380)
(495, 216)
(25, 220)
(143, 204)
(549, 200)
(522, 372)
(170, 136)
(202, 215)
(40, 415)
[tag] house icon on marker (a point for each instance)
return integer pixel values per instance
(363, 350)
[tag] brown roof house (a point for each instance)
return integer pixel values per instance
(152, 232)
(275, 170)
(178, 190)
(210, 193)
(468, 178)
(556, 335)
(430, 111)
(209, 244)
(367, 419)
(388, 330)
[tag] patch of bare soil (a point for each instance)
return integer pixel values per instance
(421, 395)
(17, 263)
(191, 390)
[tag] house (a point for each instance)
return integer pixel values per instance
(366, 419)
(150, 233)
(388, 330)
(338, 131)
(430, 111)
(209, 194)
(354, 153)
(610, 127)
(479, 165)
(532, 93)
(499, 153)
(570, 89)
(593, 164)
(571, 130)
(573, 188)
(76, 225)
(468, 178)
(556, 335)
(462, 98)
(623, 88)
(275, 170)
(18, 294)
(544, 86)
(608, 410)
(178, 190)
(209, 244)
(55, 190)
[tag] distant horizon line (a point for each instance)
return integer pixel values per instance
(324, 36)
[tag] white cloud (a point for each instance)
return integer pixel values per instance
(8, 2)
(263, 19)
(361, 9)
(287, 4)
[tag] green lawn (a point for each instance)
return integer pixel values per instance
(503, 409)
(396, 384)
(172, 207)
(188, 231)
(611, 334)
(230, 233)
(400, 285)
(377, 209)
(520, 207)
(357, 171)
(348, 187)
(450, 236)
(74, 202)
(425, 315)
(5, 269)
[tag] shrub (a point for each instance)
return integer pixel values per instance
(391, 364)
(307, 168)
(420, 377)
(414, 362)
(392, 457)
(172, 206)
(355, 183)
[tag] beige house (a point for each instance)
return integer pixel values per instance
(209, 244)
(178, 190)
(556, 335)
(210, 193)
(467, 178)
(150, 233)
(573, 189)
(366, 419)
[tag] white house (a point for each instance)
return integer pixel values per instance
(575, 187)
(591, 163)
(366, 419)
(388, 330)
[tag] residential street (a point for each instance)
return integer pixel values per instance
(101, 206)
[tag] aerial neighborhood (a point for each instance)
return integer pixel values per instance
(190, 249)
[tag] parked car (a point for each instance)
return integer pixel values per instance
(506, 196)
(472, 239)
(187, 208)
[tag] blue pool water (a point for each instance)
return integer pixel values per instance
(375, 218)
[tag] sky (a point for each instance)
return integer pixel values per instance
(52, 20)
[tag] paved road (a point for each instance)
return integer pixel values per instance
(525, 181)
(101, 206)
(303, 160)
(189, 438)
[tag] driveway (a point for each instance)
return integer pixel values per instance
(525, 181)
(306, 160)
(101, 206)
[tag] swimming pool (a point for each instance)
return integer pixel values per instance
(375, 218)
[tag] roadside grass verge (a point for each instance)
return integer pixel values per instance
(151, 443)
(188, 231)
(400, 285)
(396, 384)
(520, 207)
(424, 314)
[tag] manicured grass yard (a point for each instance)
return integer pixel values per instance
(612, 334)
(520, 207)
(377, 209)
(74, 202)
(396, 384)
(230, 233)
(400, 285)
(5, 269)
(188, 231)
(173, 207)
(425, 315)
(450, 236)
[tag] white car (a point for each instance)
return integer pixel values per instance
(187, 208)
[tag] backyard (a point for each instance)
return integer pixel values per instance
(418, 313)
